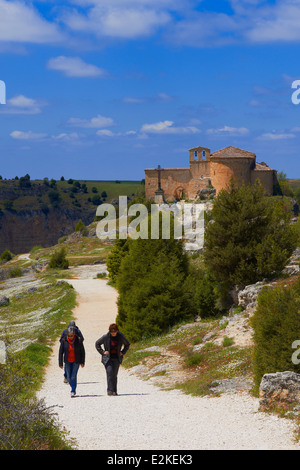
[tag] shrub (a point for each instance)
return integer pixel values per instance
(15, 272)
(227, 342)
(193, 359)
(6, 255)
(276, 325)
(59, 260)
(25, 424)
(80, 227)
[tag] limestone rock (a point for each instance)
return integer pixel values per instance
(248, 296)
(4, 301)
(280, 390)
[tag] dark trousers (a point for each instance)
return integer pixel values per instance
(112, 369)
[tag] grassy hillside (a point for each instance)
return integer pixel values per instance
(19, 194)
(294, 183)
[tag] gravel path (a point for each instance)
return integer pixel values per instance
(143, 417)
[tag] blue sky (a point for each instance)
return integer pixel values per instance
(102, 89)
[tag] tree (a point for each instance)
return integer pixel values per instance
(96, 200)
(114, 259)
(276, 325)
(284, 186)
(24, 182)
(54, 197)
(249, 237)
(151, 285)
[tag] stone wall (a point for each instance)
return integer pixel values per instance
(266, 177)
(221, 172)
(172, 180)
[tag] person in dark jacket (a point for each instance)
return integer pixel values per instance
(64, 335)
(72, 353)
(77, 331)
(115, 345)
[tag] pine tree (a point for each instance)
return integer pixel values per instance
(249, 237)
(151, 285)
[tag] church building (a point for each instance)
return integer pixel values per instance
(208, 170)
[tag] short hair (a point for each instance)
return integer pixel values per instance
(113, 327)
(71, 330)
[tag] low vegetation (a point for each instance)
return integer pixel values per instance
(33, 318)
(196, 370)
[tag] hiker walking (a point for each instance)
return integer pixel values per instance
(64, 335)
(112, 355)
(72, 353)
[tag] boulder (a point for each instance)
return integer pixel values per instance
(4, 301)
(248, 296)
(279, 390)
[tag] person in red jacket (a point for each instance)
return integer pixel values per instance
(72, 353)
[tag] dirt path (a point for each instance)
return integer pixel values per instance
(142, 416)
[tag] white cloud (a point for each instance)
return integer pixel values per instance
(204, 29)
(21, 104)
(159, 98)
(252, 21)
(118, 20)
(132, 100)
(105, 132)
(93, 123)
(75, 67)
(279, 136)
(29, 135)
(227, 130)
(20, 22)
(279, 22)
(166, 127)
(108, 133)
(65, 137)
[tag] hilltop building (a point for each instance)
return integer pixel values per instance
(208, 171)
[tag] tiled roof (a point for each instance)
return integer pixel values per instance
(232, 152)
(262, 167)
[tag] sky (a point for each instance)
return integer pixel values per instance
(102, 89)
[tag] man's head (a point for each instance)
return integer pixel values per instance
(71, 332)
(113, 329)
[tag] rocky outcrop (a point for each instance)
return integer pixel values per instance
(247, 297)
(280, 390)
(21, 231)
